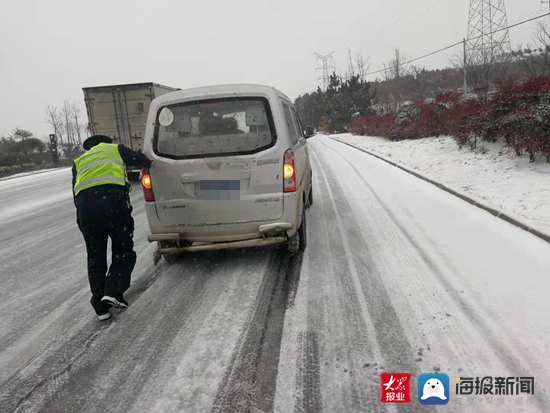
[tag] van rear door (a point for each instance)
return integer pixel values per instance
(216, 162)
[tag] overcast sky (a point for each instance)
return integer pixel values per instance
(50, 49)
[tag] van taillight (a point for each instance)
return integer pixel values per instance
(289, 172)
(147, 185)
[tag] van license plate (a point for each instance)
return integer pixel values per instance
(220, 190)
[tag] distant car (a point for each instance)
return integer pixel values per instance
(231, 169)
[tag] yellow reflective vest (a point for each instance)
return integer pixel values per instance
(101, 165)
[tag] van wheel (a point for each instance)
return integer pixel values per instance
(302, 232)
(156, 257)
(294, 244)
(172, 258)
(298, 242)
(310, 197)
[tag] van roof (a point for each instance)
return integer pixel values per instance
(220, 90)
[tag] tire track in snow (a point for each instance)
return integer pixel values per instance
(308, 372)
(29, 382)
(512, 362)
(395, 349)
(250, 380)
(476, 317)
(123, 359)
(358, 350)
(37, 315)
(35, 327)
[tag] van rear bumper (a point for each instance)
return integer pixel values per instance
(284, 226)
(273, 228)
(258, 242)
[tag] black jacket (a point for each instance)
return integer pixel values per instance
(130, 158)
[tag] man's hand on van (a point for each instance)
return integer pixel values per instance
(133, 158)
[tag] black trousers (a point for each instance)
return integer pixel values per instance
(103, 214)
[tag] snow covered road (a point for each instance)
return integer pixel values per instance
(398, 277)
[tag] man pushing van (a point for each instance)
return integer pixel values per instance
(101, 196)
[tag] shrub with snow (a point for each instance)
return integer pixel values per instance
(518, 113)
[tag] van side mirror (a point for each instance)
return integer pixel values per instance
(309, 132)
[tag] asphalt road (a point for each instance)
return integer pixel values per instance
(398, 276)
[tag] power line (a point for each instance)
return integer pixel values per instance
(382, 29)
(459, 43)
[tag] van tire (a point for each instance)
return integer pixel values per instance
(172, 258)
(310, 197)
(298, 242)
(302, 232)
(294, 244)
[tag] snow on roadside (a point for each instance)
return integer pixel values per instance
(497, 177)
(32, 173)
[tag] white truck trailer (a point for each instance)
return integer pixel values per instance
(120, 112)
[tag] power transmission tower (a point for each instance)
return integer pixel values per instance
(487, 29)
(326, 68)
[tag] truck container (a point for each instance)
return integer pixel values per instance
(120, 112)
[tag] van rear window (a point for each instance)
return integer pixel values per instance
(214, 128)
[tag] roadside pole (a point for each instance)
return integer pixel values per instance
(53, 148)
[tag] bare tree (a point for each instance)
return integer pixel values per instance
(543, 35)
(483, 73)
(398, 64)
(528, 59)
(66, 111)
(55, 120)
(362, 65)
(385, 91)
(394, 70)
(482, 69)
(536, 59)
(419, 82)
(75, 110)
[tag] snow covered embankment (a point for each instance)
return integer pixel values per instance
(497, 178)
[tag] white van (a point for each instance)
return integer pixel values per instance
(231, 169)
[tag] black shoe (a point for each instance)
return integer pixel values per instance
(121, 300)
(101, 309)
(117, 301)
(103, 315)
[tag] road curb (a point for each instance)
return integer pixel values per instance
(498, 214)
